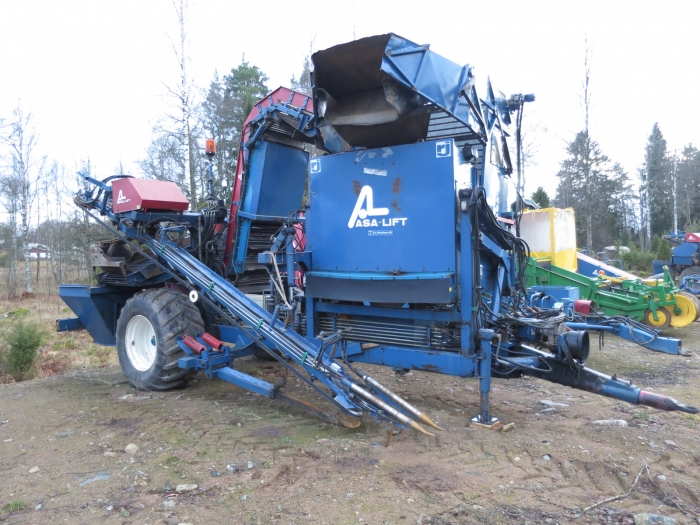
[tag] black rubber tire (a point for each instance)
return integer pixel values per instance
(171, 314)
(690, 270)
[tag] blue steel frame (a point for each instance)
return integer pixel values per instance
(256, 144)
(563, 297)
(486, 272)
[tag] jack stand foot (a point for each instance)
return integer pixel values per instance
(390, 434)
(491, 424)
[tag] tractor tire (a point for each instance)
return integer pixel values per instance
(663, 321)
(690, 270)
(147, 330)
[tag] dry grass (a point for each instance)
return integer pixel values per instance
(61, 352)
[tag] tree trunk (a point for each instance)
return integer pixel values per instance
(190, 166)
(27, 268)
(24, 212)
(12, 274)
(648, 224)
(52, 264)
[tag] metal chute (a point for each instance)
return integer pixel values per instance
(382, 91)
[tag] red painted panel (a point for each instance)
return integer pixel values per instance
(147, 195)
(692, 237)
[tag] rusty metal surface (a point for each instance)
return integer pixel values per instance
(363, 104)
(352, 67)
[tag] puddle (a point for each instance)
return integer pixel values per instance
(98, 477)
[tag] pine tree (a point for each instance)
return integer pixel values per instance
(216, 115)
(541, 198)
(243, 88)
(623, 204)
(584, 185)
(656, 185)
(688, 178)
(303, 84)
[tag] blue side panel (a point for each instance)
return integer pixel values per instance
(275, 181)
(97, 308)
(685, 250)
(369, 210)
(657, 266)
(548, 296)
(450, 363)
(683, 253)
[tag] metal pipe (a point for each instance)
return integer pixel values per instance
(386, 407)
(400, 401)
(485, 338)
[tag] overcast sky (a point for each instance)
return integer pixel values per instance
(93, 72)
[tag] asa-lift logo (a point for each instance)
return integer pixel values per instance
(121, 198)
(364, 208)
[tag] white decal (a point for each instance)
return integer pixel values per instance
(121, 199)
(443, 149)
(372, 171)
(315, 165)
(360, 215)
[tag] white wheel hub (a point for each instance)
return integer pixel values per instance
(141, 343)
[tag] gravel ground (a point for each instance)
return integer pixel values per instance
(85, 447)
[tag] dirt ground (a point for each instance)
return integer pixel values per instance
(257, 461)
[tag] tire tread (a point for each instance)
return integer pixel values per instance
(176, 316)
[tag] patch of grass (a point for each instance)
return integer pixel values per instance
(641, 415)
(100, 355)
(14, 506)
(254, 371)
(19, 312)
(67, 344)
(50, 365)
(172, 461)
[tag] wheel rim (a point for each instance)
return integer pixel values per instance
(695, 299)
(688, 312)
(141, 343)
(663, 318)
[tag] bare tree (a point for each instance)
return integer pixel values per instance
(303, 83)
(586, 165)
(54, 191)
(184, 94)
(530, 145)
(9, 188)
(27, 171)
(172, 154)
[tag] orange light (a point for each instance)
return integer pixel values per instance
(210, 147)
